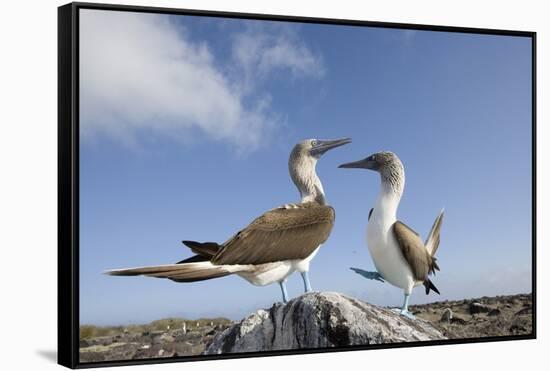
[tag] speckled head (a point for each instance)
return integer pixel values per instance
(302, 162)
(387, 164)
(316, 147)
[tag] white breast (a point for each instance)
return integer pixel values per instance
(265, 274)
(386, 254)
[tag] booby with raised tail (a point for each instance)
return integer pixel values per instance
(399, 254)
(276, 244)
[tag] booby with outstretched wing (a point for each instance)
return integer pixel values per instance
(399, 254)
(272, 247)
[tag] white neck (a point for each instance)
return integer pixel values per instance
(387, 203)
(385, 208)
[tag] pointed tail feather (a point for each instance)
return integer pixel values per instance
(205, 249)
(187, 272)
(434, 265)
(194, 259)
(432, 242)
(430, 286)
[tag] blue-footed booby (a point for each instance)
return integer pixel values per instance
(276, 244)
(399, 255)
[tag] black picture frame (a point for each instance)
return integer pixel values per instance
(68, 179)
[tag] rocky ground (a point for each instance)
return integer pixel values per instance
(486, 316)
(469, 318)
(160, 339)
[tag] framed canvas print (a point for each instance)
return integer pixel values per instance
(236, 185)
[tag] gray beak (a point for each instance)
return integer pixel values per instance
(366, 163)
(323, 146)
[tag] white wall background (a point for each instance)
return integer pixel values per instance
(28, 155)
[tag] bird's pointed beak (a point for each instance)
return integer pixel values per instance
(325, 145)
(361, 164)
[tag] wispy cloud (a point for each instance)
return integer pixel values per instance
(139, 73)
(263, 49)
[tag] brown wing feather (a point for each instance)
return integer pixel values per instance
(413, 250)
(289, 232)
(432, 242)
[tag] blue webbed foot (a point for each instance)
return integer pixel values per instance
(407, 314)
(404, 313)
(369, 275)
(404, 310)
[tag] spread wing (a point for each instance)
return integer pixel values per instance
(289, 232)
(414, 251)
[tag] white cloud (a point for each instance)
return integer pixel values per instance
(138, 72)
(268, 48)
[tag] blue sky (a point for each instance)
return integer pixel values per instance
(186, 127)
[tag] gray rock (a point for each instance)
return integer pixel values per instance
(447, 315)
(479, 308)
(520, 325)
(494, 312)
(458, 320)
(166, 338)
(320, 320)
(524, 311)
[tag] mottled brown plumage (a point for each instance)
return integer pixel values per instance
(419, 259)
(285, 233)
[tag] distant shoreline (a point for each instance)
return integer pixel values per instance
(239, 317)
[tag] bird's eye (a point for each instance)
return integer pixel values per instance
(314, 142)
(373, 157)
